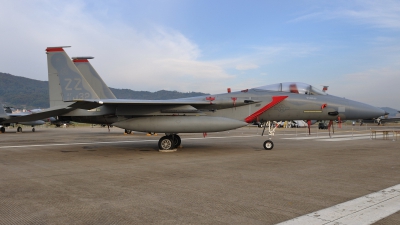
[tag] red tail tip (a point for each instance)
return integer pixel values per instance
(56, 49)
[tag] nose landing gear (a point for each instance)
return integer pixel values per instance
(268, 144)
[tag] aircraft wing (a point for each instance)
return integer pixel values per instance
(37, 116)
(93, 103)
(144, 102)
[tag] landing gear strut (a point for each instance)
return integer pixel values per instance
(169, 142)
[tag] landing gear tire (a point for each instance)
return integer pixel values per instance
(128, 131)
(177, 141)
(19, 129)
(165, 143)
(2, 130)
(268, 145)
(33, 130)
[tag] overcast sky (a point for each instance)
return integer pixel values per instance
(208, 46)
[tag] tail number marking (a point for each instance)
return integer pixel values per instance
(76, 87)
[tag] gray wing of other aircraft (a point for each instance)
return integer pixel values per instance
(17, 118)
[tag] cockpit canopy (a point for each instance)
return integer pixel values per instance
(292, 87)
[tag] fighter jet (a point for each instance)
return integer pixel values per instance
(6, 115)
(203, 114)
(382, 119)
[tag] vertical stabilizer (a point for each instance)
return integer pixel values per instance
(3, 114)
(94, 79)
(65, 81)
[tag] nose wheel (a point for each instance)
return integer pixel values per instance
(268, 145)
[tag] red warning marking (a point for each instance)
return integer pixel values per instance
(234, 100)
(245, 90)
(323, 106)
(210, 99)
(275, 101)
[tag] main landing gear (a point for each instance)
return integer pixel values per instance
(19, 129)
(169, 142)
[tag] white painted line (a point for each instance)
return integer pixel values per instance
(321, 137)
(115, 142)
(361, 211)
(82, 143)
(346, 139)
(222, 137)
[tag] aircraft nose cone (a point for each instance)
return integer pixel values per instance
(364, 111)
(380, 112)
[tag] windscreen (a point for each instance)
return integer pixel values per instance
(292, 87)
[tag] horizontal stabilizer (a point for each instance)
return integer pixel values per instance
(85, 105)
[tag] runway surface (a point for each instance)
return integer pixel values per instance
(92, 176)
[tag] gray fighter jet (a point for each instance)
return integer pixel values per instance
(6, 116)
(382, 119)
(211, 113)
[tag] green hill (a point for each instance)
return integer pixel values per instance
(22, 92)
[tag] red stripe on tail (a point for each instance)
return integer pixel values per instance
(80, 60)
(54, 49)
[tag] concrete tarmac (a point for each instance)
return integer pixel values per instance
(92, 176)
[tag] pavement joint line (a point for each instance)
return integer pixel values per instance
(115, 142)
(364, 210)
